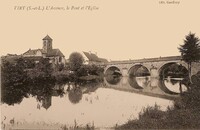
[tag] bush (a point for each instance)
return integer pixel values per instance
(191, 98)
(150, 117)
(151, 112)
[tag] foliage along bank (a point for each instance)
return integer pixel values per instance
(23, 76)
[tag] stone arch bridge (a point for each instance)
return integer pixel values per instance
(155, 71)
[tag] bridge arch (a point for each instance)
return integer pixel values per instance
(113, 75)
(170, 75)
(139, 76)
(111, 69)
(137, 66)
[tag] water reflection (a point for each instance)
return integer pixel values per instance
(13, 94)
(45, 102)
(168, 85)
(139, 82)
(107, 110)
(85, 103)
(139, 77)
(113, 79)
(173, 84)
(75, 95)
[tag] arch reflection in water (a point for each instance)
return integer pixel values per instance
(172, 78)
(113, 79)
(173, 84)
(113, 75)
(139, 77)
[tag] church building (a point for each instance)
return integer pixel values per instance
(54, 55)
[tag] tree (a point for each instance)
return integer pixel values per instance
(13, 73)
(44, 66)
(75, 61)
(190, 50)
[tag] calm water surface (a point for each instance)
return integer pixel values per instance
(98, 105)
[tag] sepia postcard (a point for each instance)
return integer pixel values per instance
(100, 64)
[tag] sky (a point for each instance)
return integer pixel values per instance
(118, 30)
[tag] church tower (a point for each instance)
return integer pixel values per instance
(47, 44)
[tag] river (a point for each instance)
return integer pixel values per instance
(92, 104)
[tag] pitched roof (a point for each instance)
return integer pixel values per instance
(33, 52)
(93, 57)
(55, 52)
(47, 38)
(52, 53)
(90, 57)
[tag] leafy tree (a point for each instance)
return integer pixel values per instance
(29, 64)
(82, 71)
(190, 50)
(13, 73)
(60, 67)
(94, 69)
(44, 66)
(75, 61)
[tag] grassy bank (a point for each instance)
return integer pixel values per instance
(185, 113)
(45, 126)
(154, 118)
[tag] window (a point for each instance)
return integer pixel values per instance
(60, 59)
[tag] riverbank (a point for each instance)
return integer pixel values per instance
(45, 126)
(185, 113)
(21, 70)
(153, 118)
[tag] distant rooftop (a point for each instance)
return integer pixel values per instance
(33, 52)
(55, 52)
(94, 57)
(51, 53)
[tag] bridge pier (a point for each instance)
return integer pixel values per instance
(154, 75)
(124, 72)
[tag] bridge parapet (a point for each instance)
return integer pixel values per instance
(159, 59)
